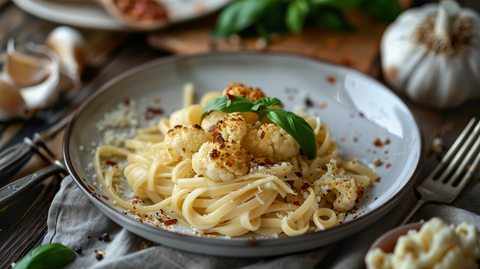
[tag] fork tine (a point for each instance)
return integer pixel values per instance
(471, 170)
(456, 153)
(465, 162)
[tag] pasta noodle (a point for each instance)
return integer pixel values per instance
(271, 195)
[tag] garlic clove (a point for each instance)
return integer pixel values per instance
(45, 93)
(71, 48)
(24, 70)
(12, 104)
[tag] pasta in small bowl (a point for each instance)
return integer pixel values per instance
(431, 244)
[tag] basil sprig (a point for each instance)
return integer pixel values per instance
(296, 126)
(46, 257)
(264, 17)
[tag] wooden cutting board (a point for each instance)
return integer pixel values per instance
(359, 49)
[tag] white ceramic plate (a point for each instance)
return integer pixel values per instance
(87, 14)
(348, 102)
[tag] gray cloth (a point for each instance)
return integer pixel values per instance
(72, 218)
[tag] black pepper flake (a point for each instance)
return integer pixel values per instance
(99, 256)
(298, 174)
(308, 102)
(78, 249)
(105, 236)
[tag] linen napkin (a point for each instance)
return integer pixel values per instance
(73, 221)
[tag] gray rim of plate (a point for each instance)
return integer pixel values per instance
(208, 240)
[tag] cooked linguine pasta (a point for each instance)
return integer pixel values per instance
(235, 174)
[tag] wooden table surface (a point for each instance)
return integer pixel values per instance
(23, 224)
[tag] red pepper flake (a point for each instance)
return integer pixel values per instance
(134, 208)
(267, 160)
(386, 152)
(376, 198)
(90, 187)
(156, 100)
(141, 220)
(84, 179)
(322, 105)
(88, 237)
(368, 150)
(355, 217)
(112, 163)
(135, 200)
(229, 164)
(96, 251)
(95, 187)
(342, 139)
(371, 185)
(170, 222)
(262, 135)
(200, 175)
(298, 174)
(230, 97)
(232, 192)
(305, 186)
(215, 135)
(357, 200)
(347, 62)
(154, 110)
(378, 143)
(388, 165)
(291, 97)
(183, 149)
(354, 162)
(105, 197)
(386, 157)
(296, 203)
(331, 79)
(126, 102)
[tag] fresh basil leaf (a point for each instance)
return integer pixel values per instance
(386, 10)
(338, 4)
(269, 101)
(296, 127)
(222, 103)
(47, 256)
(297, 13)
(240, 15)
(258, 106)
(333, 19)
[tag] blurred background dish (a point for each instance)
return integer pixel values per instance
(88, 14)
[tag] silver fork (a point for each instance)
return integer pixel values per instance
(443, 187)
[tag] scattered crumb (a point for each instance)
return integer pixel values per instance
(377, 162)
(355, 139)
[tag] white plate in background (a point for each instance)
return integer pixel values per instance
(87, 14)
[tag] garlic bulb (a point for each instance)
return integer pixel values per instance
(71, 47)
(432, 54)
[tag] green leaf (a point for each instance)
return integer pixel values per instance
(240, 15)
(297, 13)
(386, 10)
(47, 256)
(222, 103)
(333, 19)
(296, 127)
(338, 4)
(269, 101)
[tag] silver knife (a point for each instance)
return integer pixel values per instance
(16, 156)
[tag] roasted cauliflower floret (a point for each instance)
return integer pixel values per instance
(184, 141)
(221, 160)
(239, 89)
(270, 140)
(338, 188)
(212, 118)
(233, 127)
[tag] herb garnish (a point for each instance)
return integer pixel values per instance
(265, 17)
(47, 256)
(296, 126)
